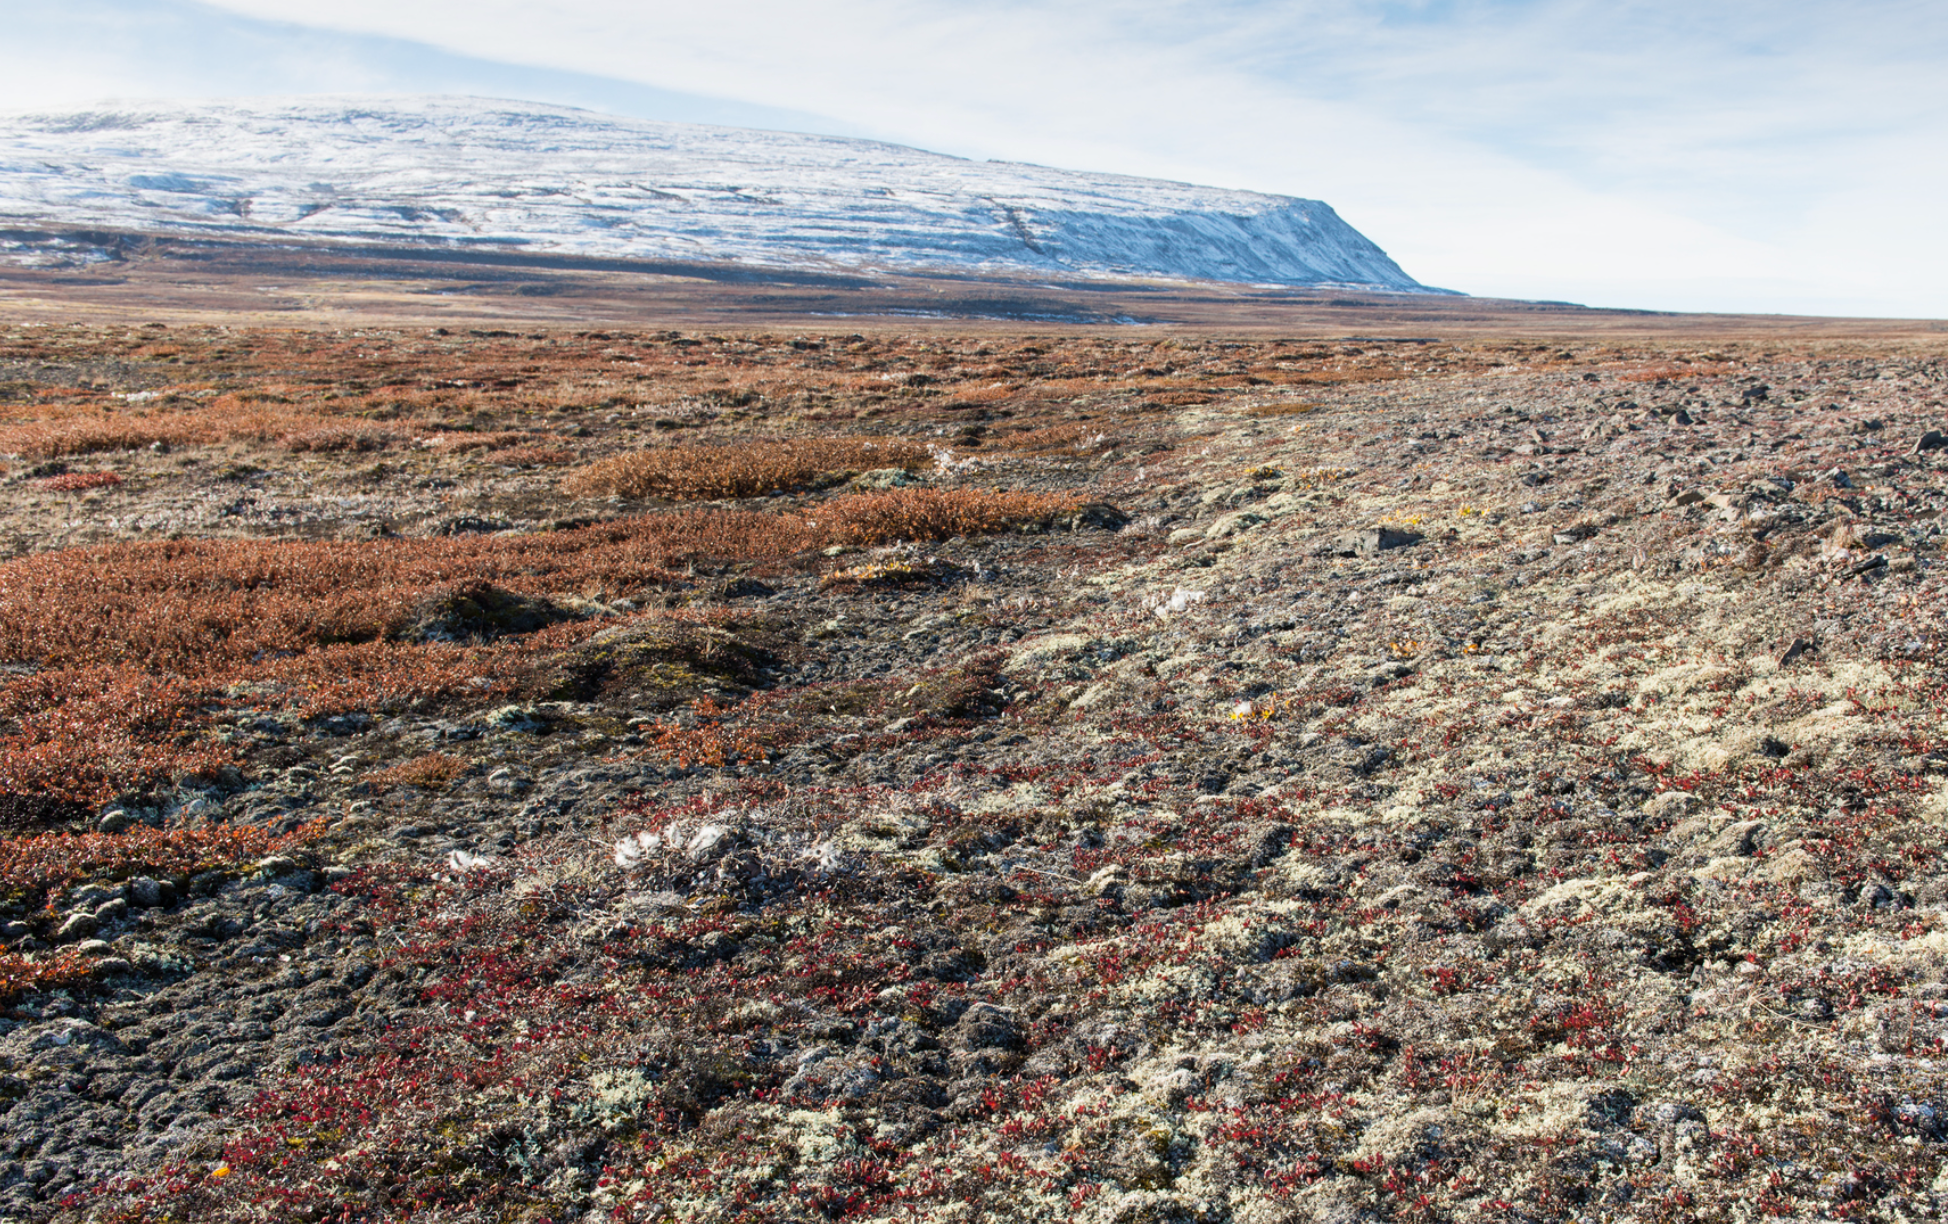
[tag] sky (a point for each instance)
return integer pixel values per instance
(1775, 157)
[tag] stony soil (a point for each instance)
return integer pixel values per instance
(1495, 781)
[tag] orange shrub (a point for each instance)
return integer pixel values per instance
(338, 437)
(20, 975)
(75, 482)
(35, 865)
(79, 735)
(535, 456)
(709, 742)
(68, 432)
(934, 514)
(741, 470)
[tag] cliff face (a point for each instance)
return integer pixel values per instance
(473, 171)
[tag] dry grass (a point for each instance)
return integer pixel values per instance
(743, 470)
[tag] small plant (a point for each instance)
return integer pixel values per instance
(433, 770)
(744, 470)
(75, 482)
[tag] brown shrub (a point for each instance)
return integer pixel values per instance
(708, 742)
(25, 974)
(37, 865)
(535, 456)
(92, 434)
(338, 438)
(69, 431)
(435, 769)
(935, 514)
(137, 639)
(743, 470)
(75, 482)
(499, 440)
(77, 736)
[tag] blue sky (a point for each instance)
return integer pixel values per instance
(1780, 157)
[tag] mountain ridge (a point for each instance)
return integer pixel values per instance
(465, 172)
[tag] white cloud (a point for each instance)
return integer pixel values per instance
(1740, 155)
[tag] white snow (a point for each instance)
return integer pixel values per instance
(475, 172)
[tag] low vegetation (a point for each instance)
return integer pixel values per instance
(1081, 778)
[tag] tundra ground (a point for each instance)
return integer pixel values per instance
(659, 776)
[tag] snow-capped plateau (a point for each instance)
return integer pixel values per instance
(524, 176)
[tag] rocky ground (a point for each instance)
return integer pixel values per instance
(1347, 781)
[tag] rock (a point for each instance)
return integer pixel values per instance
(145, 892)
(507, 782)
(1231, 524)
(743, 588)
(1739, 839)
(881, 479)
(114, 820)
(470, 524)
(985, 1026)
(78, 926)
(1099, 516)
(1372, 540)
(1690, 497)
(515, 718)
(94, 947)
(1931, 440)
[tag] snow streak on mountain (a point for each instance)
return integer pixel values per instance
(552, 179)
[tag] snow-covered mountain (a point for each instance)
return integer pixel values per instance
(551, 179)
